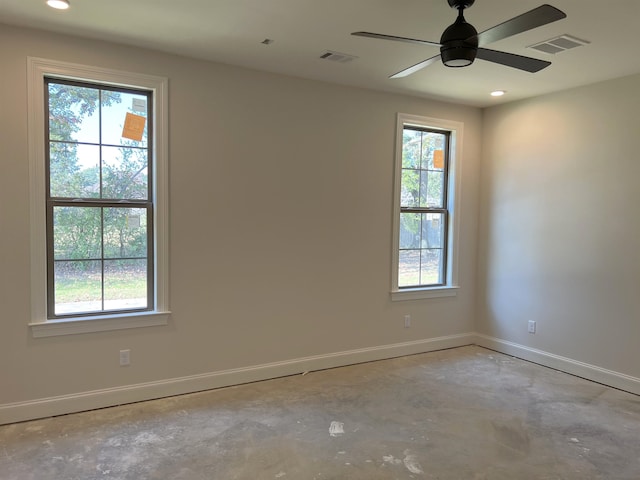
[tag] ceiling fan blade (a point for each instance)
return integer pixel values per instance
(395, 39)
(537, 17)
(416, 67)
(527, 64)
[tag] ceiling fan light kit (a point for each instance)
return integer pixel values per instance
(460, 43)
(58, 4)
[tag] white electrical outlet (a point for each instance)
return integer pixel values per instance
(532, 326)
(407, 321)
(125, 357)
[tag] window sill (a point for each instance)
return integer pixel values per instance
(421, 293)
(74, 326)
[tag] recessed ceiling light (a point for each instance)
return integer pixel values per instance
(59, 4)
(498, 93)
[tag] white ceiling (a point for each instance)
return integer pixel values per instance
(231, 32)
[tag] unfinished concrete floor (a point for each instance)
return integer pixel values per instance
(465, 413)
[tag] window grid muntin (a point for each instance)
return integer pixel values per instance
(444, 211)
(52, 202)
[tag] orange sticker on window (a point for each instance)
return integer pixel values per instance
(438, 159)
(133, 127)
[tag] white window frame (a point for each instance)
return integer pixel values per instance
(451, 286)
(37, 70)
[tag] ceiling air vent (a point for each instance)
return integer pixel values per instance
(337, 57)
(558, 44)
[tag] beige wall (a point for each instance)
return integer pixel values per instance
(280, 212)
(559, 225)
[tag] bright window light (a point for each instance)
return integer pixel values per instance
(59, 4)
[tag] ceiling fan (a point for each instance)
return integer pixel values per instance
(461, 44)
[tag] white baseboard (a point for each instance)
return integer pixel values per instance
(77, 402)
(568, 365)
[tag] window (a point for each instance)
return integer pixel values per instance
(98, 191)
(99, 208)
(427, 159)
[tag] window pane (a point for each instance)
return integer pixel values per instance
(433, 145)
(432, 230)
(409, 230)
(426, 155)
(125, 232)
(424, 185)
(409, 268)
(77, 287)
(74, 170)
(77, 233)
(431, 266)
(125, 284)
(115, 106)
(410, 191)
(73, 113)
(435, 189)
(411, 146)
(125, 173)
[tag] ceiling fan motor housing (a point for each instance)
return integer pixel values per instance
(459, 43)
(460, 3)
